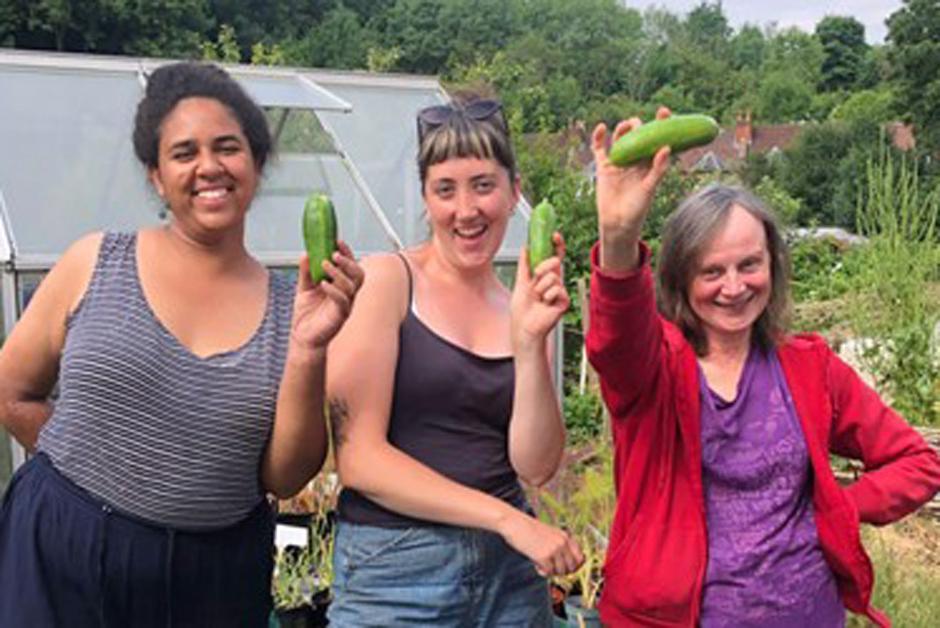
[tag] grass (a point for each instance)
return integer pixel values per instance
(906, 556)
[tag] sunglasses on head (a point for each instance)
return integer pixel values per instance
(436, 115)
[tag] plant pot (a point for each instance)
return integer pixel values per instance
(577, 614)
(321, 603)
(300, 617)
(557, 595)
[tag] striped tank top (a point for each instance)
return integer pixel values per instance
(147, 426)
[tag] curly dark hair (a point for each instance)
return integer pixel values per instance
(171, 83)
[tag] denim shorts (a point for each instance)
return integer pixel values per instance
(433, 575)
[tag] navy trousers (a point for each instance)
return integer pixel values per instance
(67, 559)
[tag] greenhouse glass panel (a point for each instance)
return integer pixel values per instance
(288, 91)
(72, 170)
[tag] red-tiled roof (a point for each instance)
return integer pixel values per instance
(765, 138)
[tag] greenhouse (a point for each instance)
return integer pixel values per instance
(67, 166)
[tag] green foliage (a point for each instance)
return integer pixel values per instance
(708, 28)
(822, 269)
(293, 581)
(785, 206)
(338, 40)
(164, 28)
(586, 510)
(379, 59)
(914, 31)
(224, 49)
(866, 106)
(267, 55)
(672, 189)
(433, 33)
(793, 51)
(584, 420)
(748, 48)
(783, 97)
(844, 49)
(542, 99)
(825, 170)
(892, 305)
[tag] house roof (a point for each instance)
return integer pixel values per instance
(724, 149)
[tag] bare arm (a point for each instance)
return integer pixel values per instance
(537, 429)
(298, 442)
(359, 383)
(29, 359)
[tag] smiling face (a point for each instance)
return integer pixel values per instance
(469, 202)
(731, 286)
(205, 172)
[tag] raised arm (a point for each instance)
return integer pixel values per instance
(360, 380)
(536, 429)
(29, 359)
(902, 471)
(624, 338)
(624, 198)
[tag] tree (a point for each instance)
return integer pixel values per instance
(338, 41)
(748, 48)
(792, 50)
(707, 27)
(810, 171)
(825, 169)
(915, 32)
(164, 28)
(844, 51)
(595, 41)
(868, 105)
(783, 97)
(434, 35)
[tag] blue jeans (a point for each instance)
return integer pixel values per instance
(431, 575)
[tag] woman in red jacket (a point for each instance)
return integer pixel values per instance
(728, 512)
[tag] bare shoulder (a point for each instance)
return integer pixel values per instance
(68, 280)
(385, 285)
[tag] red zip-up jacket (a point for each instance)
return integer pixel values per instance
(655, 566)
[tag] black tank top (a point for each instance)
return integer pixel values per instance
(450, 411)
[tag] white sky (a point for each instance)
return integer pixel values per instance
(802, 13)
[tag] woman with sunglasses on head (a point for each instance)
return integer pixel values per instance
(728, 512)
(441, 398)
(190, 383)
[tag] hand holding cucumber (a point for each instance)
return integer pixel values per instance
(327, 280)
(624, 195)
(539, 297)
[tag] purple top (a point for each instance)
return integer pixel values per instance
(765, 567)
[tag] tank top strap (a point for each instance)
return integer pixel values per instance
(411, 296)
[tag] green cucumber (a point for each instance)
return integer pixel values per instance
(319, 226)
(678, 132)
(542, 226)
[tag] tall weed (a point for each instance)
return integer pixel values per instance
(892, 306)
